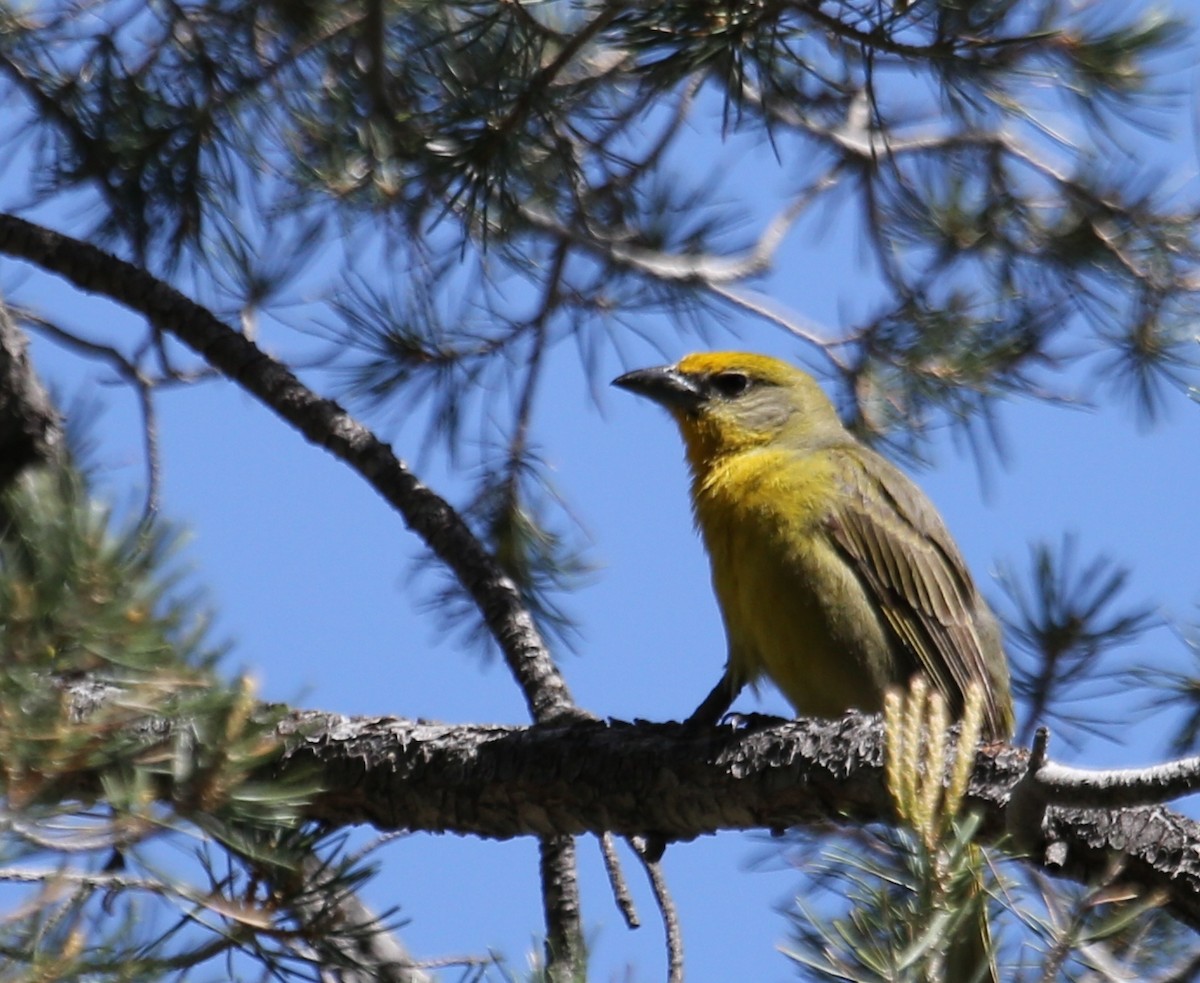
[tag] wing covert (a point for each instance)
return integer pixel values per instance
(904, 556)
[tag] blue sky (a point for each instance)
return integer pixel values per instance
(307, 572)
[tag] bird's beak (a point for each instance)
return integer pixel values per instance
(664, 384)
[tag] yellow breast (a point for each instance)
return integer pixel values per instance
(793, 609)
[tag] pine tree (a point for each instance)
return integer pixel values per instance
(426, 211)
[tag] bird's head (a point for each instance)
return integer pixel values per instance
(726, 402)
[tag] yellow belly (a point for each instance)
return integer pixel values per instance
(794, 610)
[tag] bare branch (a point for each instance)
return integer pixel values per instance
(702, 268)
(132, 374)
(322, 422)
(616, 879)
(565, 956)
(768, 310)
(670, 915)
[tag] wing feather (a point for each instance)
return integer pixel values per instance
(902, 553)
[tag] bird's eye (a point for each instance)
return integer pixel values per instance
(731, 384)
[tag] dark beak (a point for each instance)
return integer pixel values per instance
(664, 384)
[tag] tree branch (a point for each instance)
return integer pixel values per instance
(133, 375)
(630, 778)
(323, 422)
(705, 269)
(595, 777)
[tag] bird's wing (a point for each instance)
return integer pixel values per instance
(904, 556)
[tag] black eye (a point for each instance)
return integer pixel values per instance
(731, 384)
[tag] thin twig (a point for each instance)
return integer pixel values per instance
(764, 307)
(670, 917)
(616, 880)
(143, 386)
(700, 268)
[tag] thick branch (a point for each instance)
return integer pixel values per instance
(673, 781)
(636, 778)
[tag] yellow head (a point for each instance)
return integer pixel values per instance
(727, 402)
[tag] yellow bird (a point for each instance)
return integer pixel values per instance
(835, 575)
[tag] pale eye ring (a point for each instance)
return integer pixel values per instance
(731, 384)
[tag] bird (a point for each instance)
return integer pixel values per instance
(835, 575)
